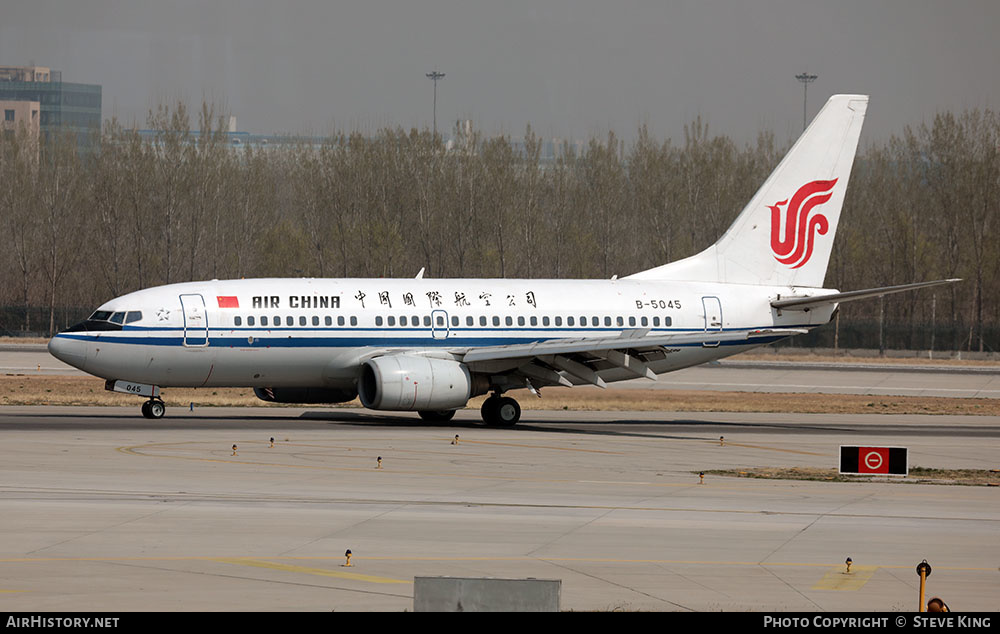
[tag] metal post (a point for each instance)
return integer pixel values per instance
(924, 570)
(435, 76)
(806, 79)
(933, 322)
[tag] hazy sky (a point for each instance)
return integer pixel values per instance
(571, 68)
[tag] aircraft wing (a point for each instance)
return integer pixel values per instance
(553, 360)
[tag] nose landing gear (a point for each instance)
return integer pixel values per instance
(154, 408)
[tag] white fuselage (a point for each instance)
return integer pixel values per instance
(318, 332)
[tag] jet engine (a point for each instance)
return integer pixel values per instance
(415, 383)
(304, 394)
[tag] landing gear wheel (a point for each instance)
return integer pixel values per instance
(154, 409)
(442, 416)
(488, 409)
(501, 411)
(508, 412)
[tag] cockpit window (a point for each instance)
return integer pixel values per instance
(117, 318)
(101, 315)
(132, 315)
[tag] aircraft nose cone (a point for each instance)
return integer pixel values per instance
(69, 350)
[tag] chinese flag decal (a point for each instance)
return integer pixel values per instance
(228, 301)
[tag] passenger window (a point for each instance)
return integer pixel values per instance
(607, 321)
(237, 321)
(263, 321)
(656, 322)
(302, 320)
(402, 320)
(621, 321)
(482, 320)
(378, 320)
(520, 321)
(570, 321)
(427, 321)
(132, 315)
(496, 321)
(545, 321)
(328, 320)
(354, 320)
(454, 321)
(595, 321)
(645, 321)
(250, 321)
(315, 320)
(439, 320)
(391, 320)
(340, 321)
(667, 321)
(117, 318)
(534, 321)
(509, 321)
(631, 321)
(470, 321)
(559, 321)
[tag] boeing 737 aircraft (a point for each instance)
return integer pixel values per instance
(429, 345)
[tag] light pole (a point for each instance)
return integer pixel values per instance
(806, 79)
(435, 76)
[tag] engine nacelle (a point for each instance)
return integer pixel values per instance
(304, 394)
(416, 383)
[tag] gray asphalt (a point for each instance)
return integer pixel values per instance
(101, 509)
(726, 375)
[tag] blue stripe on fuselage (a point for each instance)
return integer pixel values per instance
(220, 340)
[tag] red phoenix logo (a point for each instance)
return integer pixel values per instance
(794, 246)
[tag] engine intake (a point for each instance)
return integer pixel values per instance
(416, 383)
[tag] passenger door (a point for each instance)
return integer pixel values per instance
(713, 318)
(195, 321)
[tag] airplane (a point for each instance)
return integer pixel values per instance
(430, 345)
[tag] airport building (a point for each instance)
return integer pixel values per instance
(61, 106)
(17, 114)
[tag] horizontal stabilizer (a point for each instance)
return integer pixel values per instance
(808, 302)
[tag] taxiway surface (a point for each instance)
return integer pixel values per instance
(735, 375)
(101, 509)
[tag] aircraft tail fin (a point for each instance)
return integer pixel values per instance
(784, 236)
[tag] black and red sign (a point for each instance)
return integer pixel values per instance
(873, 460)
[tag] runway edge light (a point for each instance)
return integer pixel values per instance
(923, 571)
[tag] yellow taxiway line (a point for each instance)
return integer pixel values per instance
(323, 572)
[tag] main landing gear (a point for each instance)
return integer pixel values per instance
(154, 408)
(500, 411)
